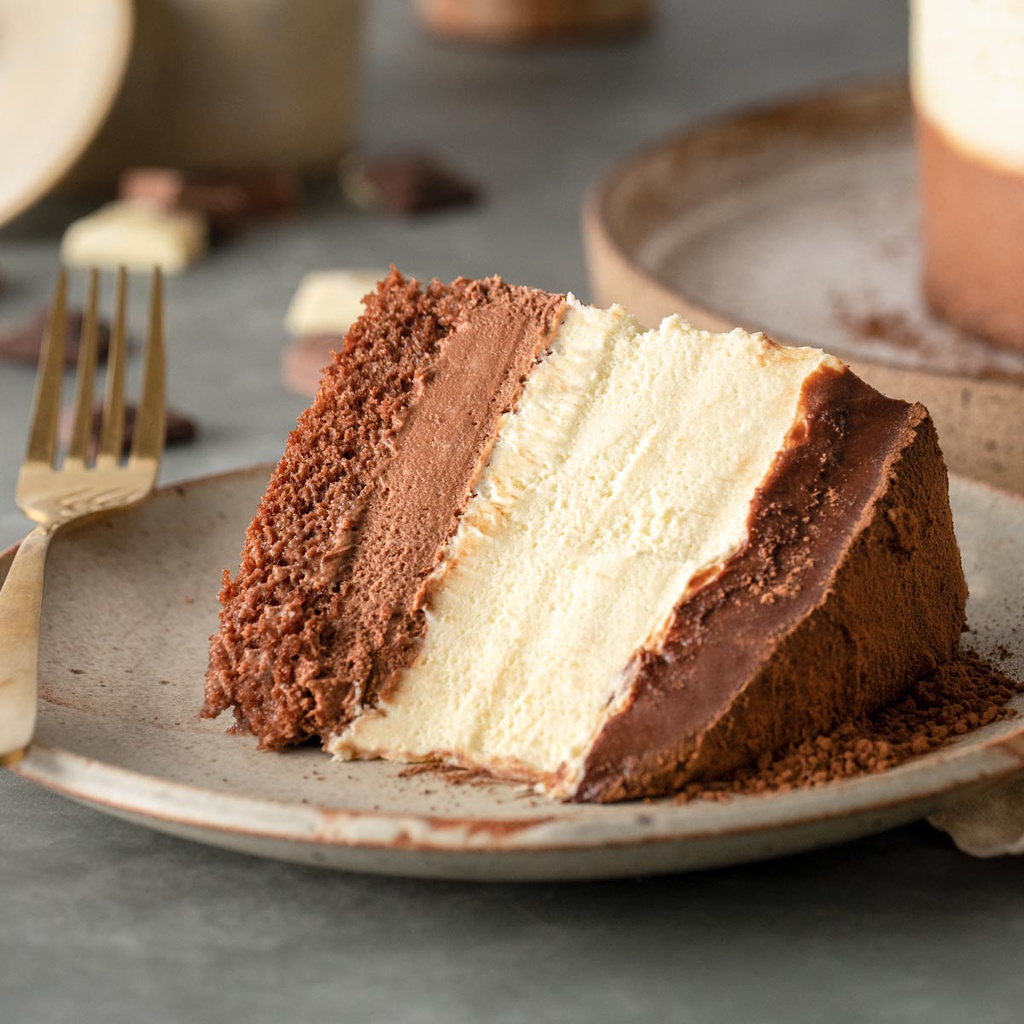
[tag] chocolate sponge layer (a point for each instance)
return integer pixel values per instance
(327, 605)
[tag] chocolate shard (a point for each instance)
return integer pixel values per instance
(406, 184)
(181, 429)
(304, 360)
(22, 343)
(227, 201)
(534, 21)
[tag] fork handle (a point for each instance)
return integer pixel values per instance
(21, 600)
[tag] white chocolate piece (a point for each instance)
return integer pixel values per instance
(136, 236)
(330, 301)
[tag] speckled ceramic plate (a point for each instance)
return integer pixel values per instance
(132, 599)
(802, 220)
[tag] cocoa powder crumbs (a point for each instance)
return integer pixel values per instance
(455, 774)
(959, 696)
(892, 326)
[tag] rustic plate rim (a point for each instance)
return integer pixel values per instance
(599, 232)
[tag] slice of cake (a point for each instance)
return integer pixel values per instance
(525, 535)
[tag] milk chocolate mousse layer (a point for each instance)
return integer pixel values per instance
(328, 603)
(973, 213)
(848, 589)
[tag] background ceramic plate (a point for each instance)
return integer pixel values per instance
(802, 220)
(130, 603)
(60, 69)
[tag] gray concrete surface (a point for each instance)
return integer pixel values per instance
(102, 922)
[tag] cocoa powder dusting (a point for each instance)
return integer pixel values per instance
(457, 775)
(960, 695)
(892, 326)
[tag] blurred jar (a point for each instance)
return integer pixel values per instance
(516, 21)
(232, 85)
(967, 79)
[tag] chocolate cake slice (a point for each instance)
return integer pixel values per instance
(524, 535)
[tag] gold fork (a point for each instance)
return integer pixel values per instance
(79, 487)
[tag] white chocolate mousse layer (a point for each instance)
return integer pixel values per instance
(626, 473)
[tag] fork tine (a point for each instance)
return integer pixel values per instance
(42, 440)
(150, 420)
(87, 353)
(112, 429)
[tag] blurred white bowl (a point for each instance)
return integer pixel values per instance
(60, 68)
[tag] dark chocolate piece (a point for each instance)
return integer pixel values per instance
(227, 201)
(304, 360)
(181, 429)
(534, 21)
(22, 342)
(406, 184)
